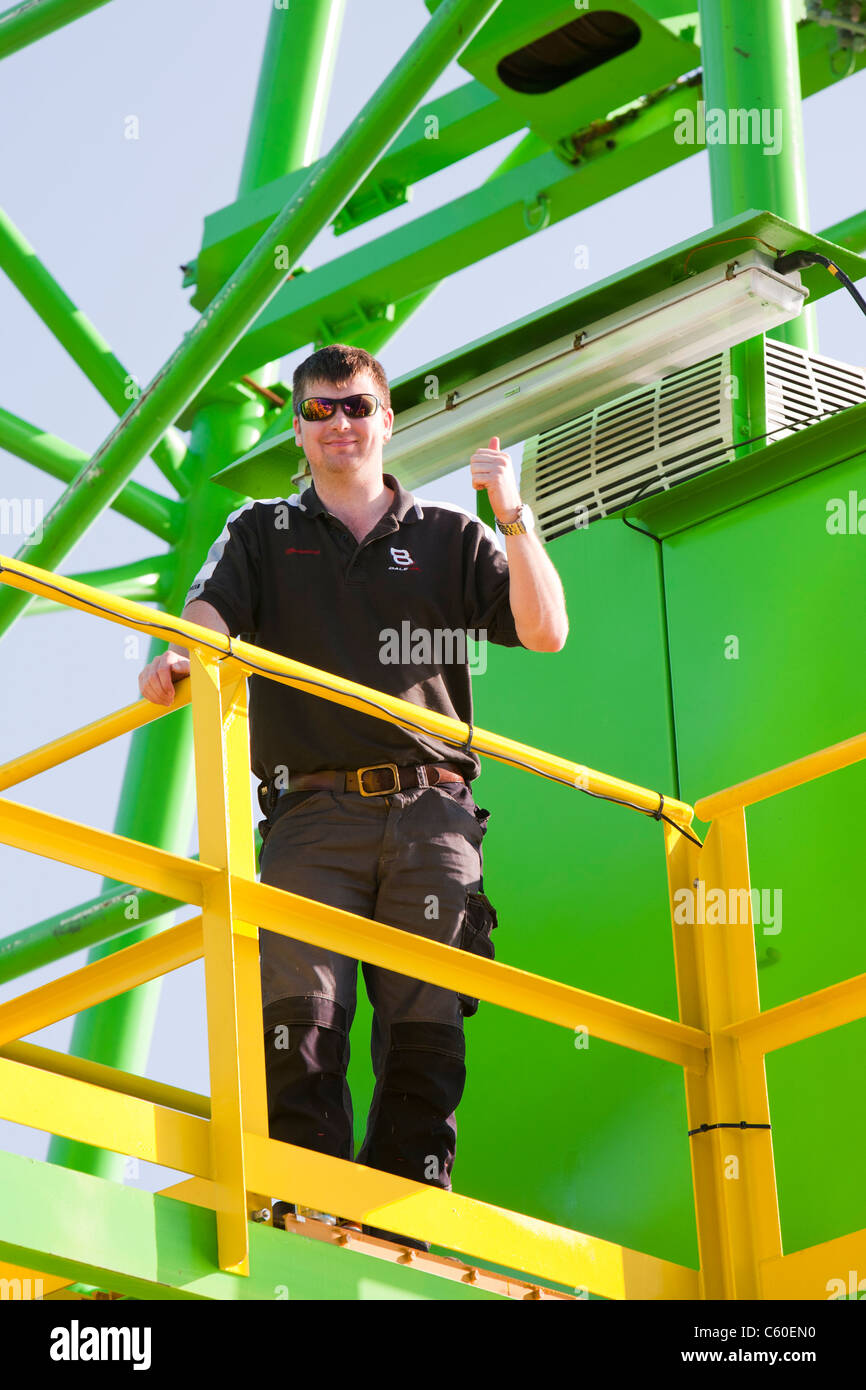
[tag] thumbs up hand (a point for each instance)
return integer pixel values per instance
(492, 469)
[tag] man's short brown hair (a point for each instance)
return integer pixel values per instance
(337, 364)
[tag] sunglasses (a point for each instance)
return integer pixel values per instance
(323, 407)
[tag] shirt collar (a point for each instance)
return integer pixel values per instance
(403, 506)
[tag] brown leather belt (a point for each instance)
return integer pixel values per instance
(379, 779)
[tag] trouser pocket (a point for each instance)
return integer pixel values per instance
(478, 922)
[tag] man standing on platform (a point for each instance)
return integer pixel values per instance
(358, 577)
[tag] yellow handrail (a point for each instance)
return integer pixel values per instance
(258, 660)
(782, 779)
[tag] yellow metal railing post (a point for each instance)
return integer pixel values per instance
(736, 1203)
(221, 738)
(248, 980)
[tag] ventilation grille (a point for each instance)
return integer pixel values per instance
(657, 436)
(800, 386)
(642, 443)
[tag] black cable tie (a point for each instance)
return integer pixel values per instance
(466, 746)
(726, 1124)
(661, 806)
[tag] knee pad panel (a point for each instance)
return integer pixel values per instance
(427, 1060)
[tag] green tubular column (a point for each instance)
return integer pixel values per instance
(291, 99)
(750, 64)
(292, 95)
(749, 54)
(158, 797)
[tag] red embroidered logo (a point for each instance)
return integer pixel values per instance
(294, 550)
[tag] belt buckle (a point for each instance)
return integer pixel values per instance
(375, 767)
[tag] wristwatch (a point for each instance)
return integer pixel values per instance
(525, 522)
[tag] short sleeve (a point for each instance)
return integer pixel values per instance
(229, 579)
(487, 588)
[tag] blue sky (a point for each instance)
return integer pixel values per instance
(113, 219)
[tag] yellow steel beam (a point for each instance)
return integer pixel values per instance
(101, 979)
(225, 835)
(834, 1269)
(110, 726)
(197, 1192)
(407, 954)
(130, 862)
(782, 779)
(16, 1281)
(474, 1228)
(332, 687)
(98, 1074)
(108, 1119)
(802, 1018)
(736, 1203)
(102, 852)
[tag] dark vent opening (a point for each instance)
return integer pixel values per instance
(578, 47)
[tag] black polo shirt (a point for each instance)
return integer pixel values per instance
(390, 612)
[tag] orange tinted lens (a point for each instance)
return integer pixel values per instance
(317, 408)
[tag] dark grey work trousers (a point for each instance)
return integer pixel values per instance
(412, 860)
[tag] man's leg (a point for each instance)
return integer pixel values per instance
(431, 859)
(318, 851)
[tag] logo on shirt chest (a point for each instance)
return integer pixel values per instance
(402, 560)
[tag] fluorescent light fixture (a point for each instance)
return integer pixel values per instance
(593, 364)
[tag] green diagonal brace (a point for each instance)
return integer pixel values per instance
(53, 455)
(74, 331)
(33, 19)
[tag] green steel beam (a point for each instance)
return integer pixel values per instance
(74, 929)
(851, 233)
(69, 931)
(335, 301)
(291, 97)
(152, 1247)
(750, 59)
(347, 294)
(469, 119)
(33, 19)
(611, 155)
(253, 286)
(74, 331)
(161, 515)
(146, 580)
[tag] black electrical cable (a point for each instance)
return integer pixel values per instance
(796, 260)
(727, 1124)
(407, 724)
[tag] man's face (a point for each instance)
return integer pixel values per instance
(341, 446)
